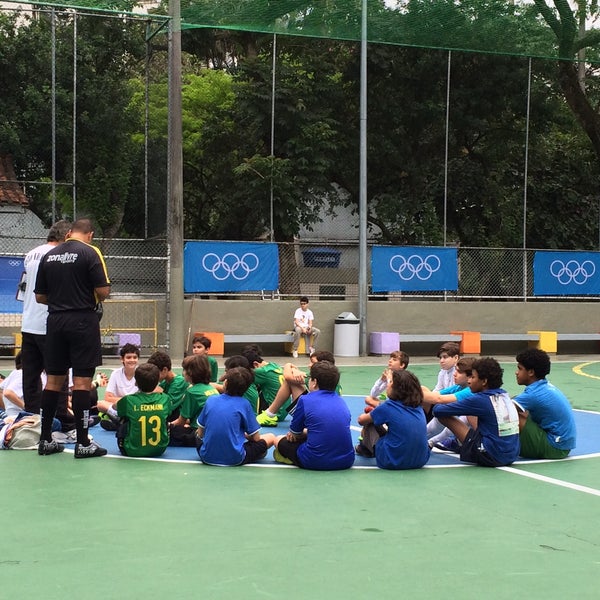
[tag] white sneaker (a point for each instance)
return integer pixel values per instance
(311, 350)
(295, 353)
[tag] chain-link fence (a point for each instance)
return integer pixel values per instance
(138, 268)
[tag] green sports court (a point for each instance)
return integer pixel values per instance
(131, 528)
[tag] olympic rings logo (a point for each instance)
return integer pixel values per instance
(572, 272)
(415, 266)
(230, 265)
(15, 263)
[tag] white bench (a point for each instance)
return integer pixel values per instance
(578, 337)
(429, 337)
(258, 338)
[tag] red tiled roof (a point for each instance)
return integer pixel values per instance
(10, 191)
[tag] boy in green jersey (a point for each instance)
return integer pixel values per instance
(268, 377)
(143, 430)
(251, 394)
(201, 346)
(295, 384)
(170, 383)
(196, 371)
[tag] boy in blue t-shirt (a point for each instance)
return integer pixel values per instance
(395, 432)
(228, 433)
(546, 422)
(319, 437)
(495, 441)
(439, 436)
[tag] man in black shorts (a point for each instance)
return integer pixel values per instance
(71, 280)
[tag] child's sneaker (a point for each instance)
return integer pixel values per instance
(108, 422)
(90, 451)
(362, 450)
(450, 444)
(311, 350)
(266, 420)
(280, 458)
(295, 354)
(53, 447)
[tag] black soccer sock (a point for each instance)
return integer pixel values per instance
(49, 402)
(81, 410)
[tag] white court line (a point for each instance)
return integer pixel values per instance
(552, 480)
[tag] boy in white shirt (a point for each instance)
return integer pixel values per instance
(303, 325)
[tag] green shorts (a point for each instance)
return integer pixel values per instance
(535, 444)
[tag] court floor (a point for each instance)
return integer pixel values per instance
(126, 528)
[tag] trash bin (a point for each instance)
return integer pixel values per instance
(346, 335)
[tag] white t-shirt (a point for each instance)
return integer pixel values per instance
(119, 385)
(34, 313)
(445, 379)
(302, 318)
(14, 383)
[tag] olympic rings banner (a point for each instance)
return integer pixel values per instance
(413, 269)
(230, 267)
(11, 269)
(566, 273)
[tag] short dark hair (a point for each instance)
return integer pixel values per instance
(58, 231)
(304, 299)
(535, 360)
(19, 360)
(465, 364)
(401, 356)
(237, 381)
(146, 377)
(450, 348)
(326, 374)
(237, 360)
(406, 388)
(82, 226)
(253, 353)
(202, 339)
(129, 349)
(161, 359)
(489, 368)
(197, 367)
(321, 355)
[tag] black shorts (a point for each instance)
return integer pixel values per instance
(472, 451)
(72, 340)
(289, 450)
(254, 451)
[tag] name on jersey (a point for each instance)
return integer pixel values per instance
(148, 407)
(67, 257)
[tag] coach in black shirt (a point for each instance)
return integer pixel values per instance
(71, 280)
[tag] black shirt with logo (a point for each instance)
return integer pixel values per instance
(68, 275)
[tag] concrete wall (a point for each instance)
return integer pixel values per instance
(256, 316)
(267, 316)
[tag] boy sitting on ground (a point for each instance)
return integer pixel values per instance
(196, 371)
(319, 437)
(268, 377)
(228, 433)
(170, 383)
(201, 346)
(143, 430)
(448, 355)
(395, 432)
(546, 422)
(398, 360)
(495, 440)
(295, 383)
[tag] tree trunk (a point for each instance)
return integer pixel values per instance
(579, 103)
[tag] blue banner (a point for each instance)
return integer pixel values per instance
(11, 269)
(566, 273)
(230, 267)
(413, 269)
